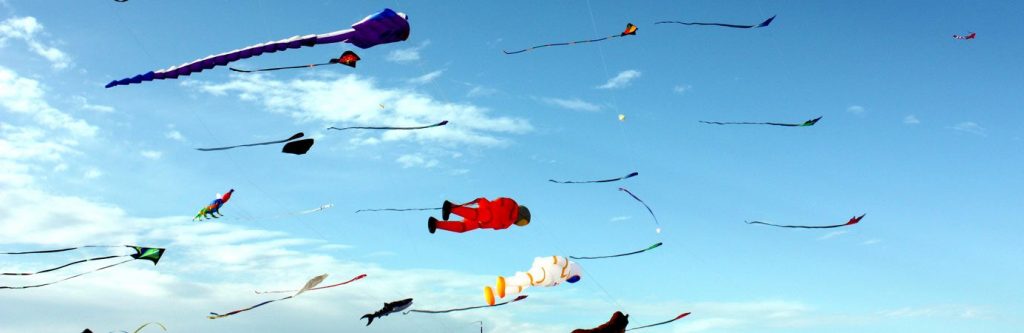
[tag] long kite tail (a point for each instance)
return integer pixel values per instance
(66, 265)
(645, 206)
(622, 254)
(765, 23)
(630, 30)
(806, 123)
(61, 250)
(296, 136)
(277, 68)
(852, 221)
(67, 278)
(214, 315)
(519, 298)
(395, 209)
(442, 123)
(317, 288)
(631, 175)
(137, 330)
(661, 323)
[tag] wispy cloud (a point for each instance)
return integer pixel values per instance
(938, 310)
(27, 29)
(971, 127)
(26, 96)
(856, 109)
(679, 89)
(175, 135)
(352, 100)
(911, 120)
(872, 241)
(92, 173)
(832, 234)
(573, 104)
(620, 81)
(426, 78)
(620, 218)
(85, 105)
(480, 91)
(151, 154)
(416, 160)
(406, 55)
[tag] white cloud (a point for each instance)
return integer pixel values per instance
(971, 127)
(26, 96)
(620, 218)
(151, 154)
(84, 104)
(26, 29)
(426, 78)
(872, 241)
(408, 54)
(832, 234)
(572, 104)
(351, 100)
(620, 81)
(939, 310)
(417, 160)
(856, 109)
(679, 89)
(480, 91)
(175, 135)
(911, 120)
(93, 173)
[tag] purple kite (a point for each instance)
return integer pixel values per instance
(380, 28)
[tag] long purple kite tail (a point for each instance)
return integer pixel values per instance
(384, 27)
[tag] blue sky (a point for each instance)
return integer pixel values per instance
(919, 131)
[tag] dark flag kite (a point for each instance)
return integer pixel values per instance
(631, 175)
(804, 124)
(630, 31)
(297, 147)
(968, 36)
(852, 221)
(761, 25)
(141, 253)
(348, 58)
(384, 27)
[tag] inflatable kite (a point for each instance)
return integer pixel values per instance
(213, 208)
(384, 27)
(310, 285)
(518, 298)
(621, 254)
(804, 124)
(298, 147)
(852, 221)
(656, 223)
(617, 324)
(545, 272)
(965, 37)
(348, 58)
(498, 214)
(141, 253)
(761, 25)
(630, 31)
(442, 123)
(389, 308)
(631, 175)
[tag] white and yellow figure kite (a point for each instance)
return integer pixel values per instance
(546, 272)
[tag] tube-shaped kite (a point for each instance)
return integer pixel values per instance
(384, 27)
(545, 272)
